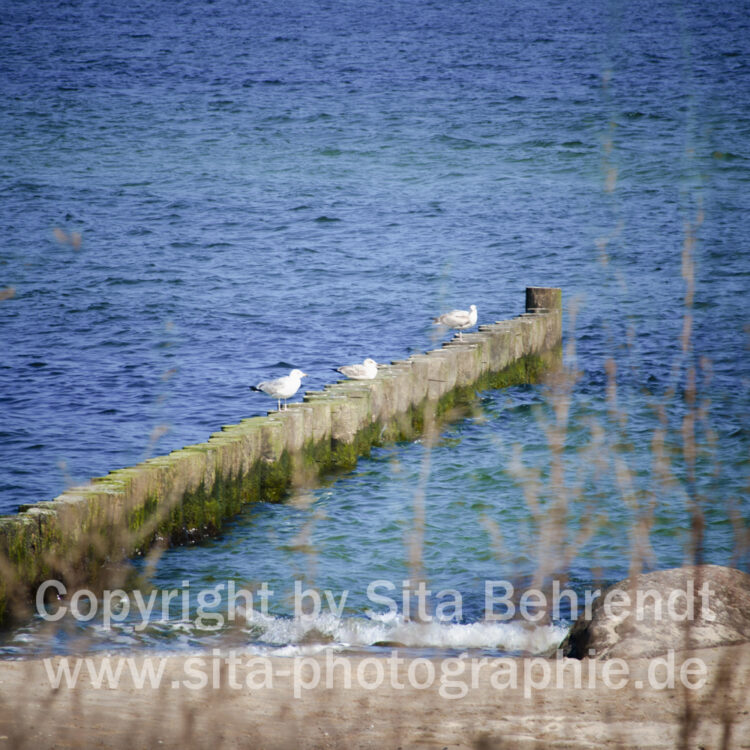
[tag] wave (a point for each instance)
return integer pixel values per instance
(286, 635)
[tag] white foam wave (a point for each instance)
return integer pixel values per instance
(327, 630)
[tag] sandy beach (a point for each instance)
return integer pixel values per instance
(235, 699)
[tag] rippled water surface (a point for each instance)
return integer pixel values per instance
(196, 197)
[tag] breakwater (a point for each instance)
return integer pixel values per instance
(87, 531)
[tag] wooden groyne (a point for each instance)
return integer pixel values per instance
(187, 494)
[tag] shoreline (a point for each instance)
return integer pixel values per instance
(612, 705)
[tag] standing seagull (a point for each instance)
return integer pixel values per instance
(366, 371)
(282, 388)
(458, 319)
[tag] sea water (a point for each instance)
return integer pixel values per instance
(197, 197)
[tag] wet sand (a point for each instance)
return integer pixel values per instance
(212, 704)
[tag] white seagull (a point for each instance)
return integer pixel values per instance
(282, 388)
(458, 319)
(366, 371)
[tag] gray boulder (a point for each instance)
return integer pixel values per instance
(698, 606)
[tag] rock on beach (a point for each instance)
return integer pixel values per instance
(698, 606)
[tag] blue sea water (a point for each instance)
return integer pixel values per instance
(197, 196)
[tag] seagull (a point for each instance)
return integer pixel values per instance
(366, 371)
(458, 319)
(282, 388)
